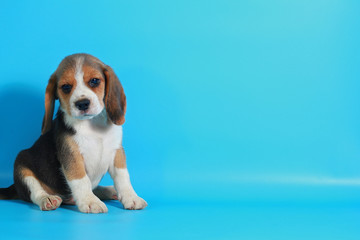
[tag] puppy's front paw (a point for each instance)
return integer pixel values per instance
(133, 202)
(92, 205)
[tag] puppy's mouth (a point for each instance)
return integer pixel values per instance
(85, 115)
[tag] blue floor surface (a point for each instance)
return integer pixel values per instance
(173, 219)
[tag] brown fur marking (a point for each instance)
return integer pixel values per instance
(67, 77)
(91, 72)
(72, 161)
(120, 158)
(25, 172)
(115, 99)
(50, 96)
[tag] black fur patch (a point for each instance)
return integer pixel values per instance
(43, 160)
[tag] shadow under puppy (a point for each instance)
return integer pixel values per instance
(80, 145)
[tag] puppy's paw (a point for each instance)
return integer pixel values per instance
(92, 205)
(50, 202)
(133, 202)
(106, 193)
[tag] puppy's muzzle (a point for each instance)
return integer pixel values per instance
(82, 104)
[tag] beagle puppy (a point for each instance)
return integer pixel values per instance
(83, 142)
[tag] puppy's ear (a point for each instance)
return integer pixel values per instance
(115, 99)
(50, 96)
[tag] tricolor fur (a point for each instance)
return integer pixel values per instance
(83, 142)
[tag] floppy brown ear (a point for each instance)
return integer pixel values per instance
(115, 99)
(50, 96)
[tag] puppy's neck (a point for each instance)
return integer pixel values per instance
(99, 122)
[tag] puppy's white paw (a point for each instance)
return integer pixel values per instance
(92, 205)
(50, 202)
(133, 202)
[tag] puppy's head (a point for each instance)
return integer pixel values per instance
(84, 86)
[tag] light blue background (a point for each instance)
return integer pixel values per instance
(243, 117)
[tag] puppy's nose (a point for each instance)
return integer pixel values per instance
(82, 104)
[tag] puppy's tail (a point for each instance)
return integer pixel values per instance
(8, 193)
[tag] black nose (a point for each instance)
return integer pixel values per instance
(82, 104)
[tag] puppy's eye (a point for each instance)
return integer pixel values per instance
(94, 82)
(66, 88)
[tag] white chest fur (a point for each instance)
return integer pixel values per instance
(98, 141)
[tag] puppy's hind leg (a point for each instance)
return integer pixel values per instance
(106, 193)
(38, 195)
